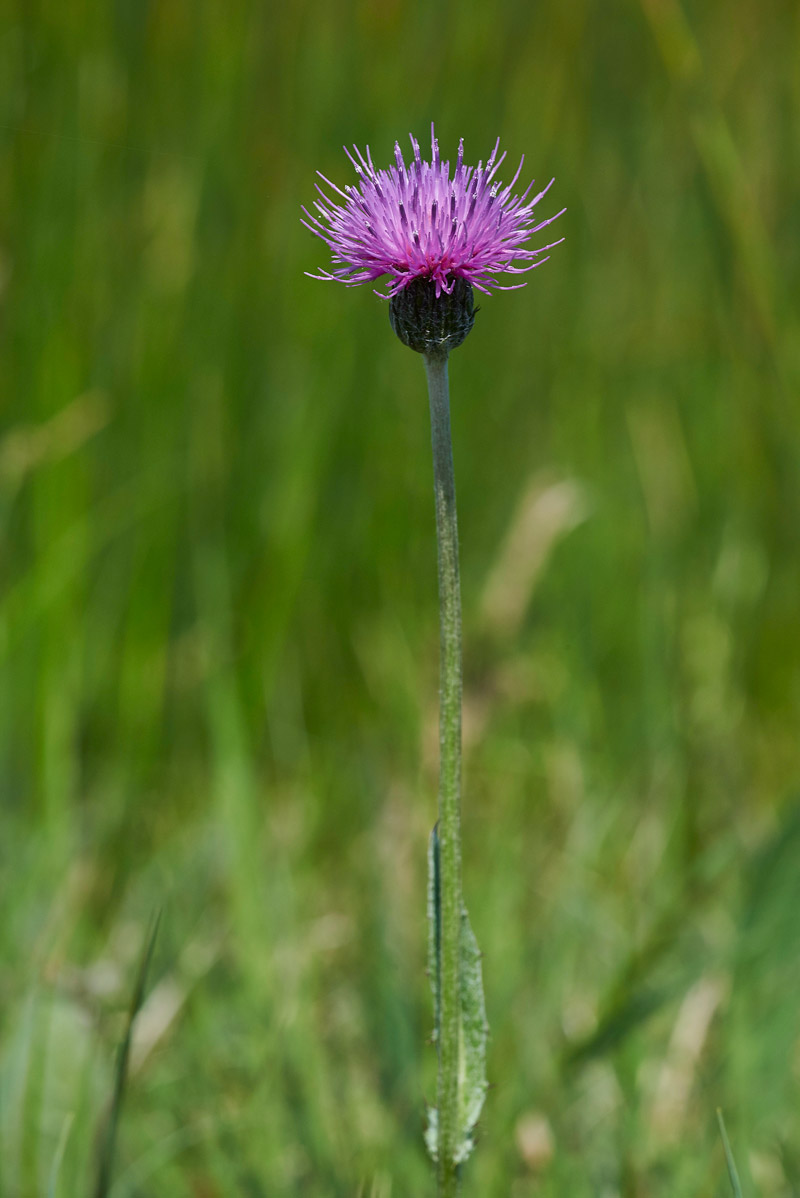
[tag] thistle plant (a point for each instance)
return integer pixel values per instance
(438, 237)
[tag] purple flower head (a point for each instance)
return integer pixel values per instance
(416, 222)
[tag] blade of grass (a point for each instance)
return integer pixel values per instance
(109, 1133)
(66, 1128)
(732, 1173)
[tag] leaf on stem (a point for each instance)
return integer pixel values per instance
(473, 1027)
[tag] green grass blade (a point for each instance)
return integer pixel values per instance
(52, 1185)
(109, 1133)
(732, 1173)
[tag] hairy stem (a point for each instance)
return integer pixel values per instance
(449, 772)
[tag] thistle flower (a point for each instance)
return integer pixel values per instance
(416, 222)
(437, 237)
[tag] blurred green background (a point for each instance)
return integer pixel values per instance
(218, 622)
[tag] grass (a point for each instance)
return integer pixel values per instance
(218, 604)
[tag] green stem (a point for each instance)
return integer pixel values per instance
(449, 772)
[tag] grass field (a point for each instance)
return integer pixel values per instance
(218, 623)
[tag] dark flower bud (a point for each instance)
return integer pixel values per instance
(432, 324)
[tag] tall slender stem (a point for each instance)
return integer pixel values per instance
(449, 772)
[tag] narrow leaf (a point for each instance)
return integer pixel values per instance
(109, 1134)
(473, 1028)
(732, 1174)
(434, 967)
(434, 925)
(474, 1031)
(66, 1127)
